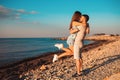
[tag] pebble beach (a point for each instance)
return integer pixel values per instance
(101, 61)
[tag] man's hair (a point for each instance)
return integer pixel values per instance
(86, 16)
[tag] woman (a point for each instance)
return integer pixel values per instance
(70, 39)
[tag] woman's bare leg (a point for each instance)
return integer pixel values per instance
(68, 49)
(68, 52)
(64, 54)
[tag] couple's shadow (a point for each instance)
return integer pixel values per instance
(110, 60)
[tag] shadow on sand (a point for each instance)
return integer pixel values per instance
(110, 60)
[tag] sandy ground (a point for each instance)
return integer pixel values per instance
(101, 61)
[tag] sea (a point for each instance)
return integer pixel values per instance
(17, 49)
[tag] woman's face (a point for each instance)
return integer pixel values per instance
(82, 19)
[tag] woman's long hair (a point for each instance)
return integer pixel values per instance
(76, 17)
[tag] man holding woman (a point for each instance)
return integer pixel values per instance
(78, 29)
(70, 39)
(78, 44)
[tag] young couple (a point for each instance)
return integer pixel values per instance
(78, 29)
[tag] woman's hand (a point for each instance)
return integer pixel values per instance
(73, 31)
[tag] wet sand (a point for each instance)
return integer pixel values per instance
(101, 60)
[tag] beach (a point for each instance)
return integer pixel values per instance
(101, 60)
(13, 50)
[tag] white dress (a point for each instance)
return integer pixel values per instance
(71, 38)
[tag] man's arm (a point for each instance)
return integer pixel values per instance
(88, 29)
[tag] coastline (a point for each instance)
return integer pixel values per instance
(94, 57)
(34, 47)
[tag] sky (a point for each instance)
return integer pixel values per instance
(51, 18)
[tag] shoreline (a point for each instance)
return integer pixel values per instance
(28, 59)
(91, 52)
(18, 61)
(33, 58)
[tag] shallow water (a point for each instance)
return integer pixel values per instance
(15, 49)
